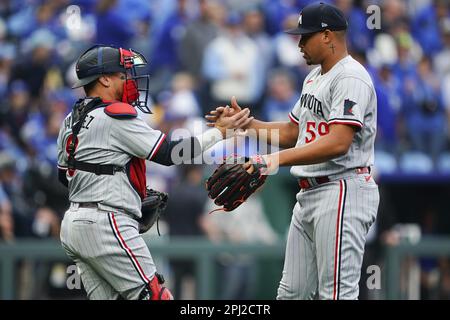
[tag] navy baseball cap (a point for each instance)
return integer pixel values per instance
(319, 16)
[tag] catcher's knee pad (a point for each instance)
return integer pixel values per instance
(155, 291)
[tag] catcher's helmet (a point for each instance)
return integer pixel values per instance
(99, 60)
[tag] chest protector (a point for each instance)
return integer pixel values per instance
(135, 168)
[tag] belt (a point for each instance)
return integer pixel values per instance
(306, 183)
(87, 204)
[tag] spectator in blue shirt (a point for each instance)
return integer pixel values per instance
(359, 36)
(115, 26)
(15, 112)
(281, 95)
(424, 111)
(425, 25)
(254, 28)
(40, 59)
(164, 59)
(389, 99)
(275, 12)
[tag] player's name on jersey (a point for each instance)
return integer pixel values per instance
(87, 121)
(313, 104)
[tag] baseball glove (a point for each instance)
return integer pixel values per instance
(153, 206)
(230, 184)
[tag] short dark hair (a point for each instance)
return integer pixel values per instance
(341, 33)
(89, 87)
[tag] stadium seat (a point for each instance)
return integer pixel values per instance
(385, 162)
(416, 162)
(443, 163)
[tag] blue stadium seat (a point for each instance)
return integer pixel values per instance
(443, 163)
(415, 162)
(385, 162)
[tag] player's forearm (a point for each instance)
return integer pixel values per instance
(321, 150)
(184, 150)
(279, 133)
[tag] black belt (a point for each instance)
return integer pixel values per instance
(87, 204)
(306, 183)
(98, 169)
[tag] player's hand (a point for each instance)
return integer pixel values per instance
(215, 114)
(234, 112)
(228, 117)
(270, 160)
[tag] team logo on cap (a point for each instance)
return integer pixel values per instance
(324, 25)
(300, 20)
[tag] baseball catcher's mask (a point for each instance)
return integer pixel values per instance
(99, 60)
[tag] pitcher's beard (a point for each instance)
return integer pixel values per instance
(307, 60)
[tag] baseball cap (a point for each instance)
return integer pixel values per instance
(319, 16)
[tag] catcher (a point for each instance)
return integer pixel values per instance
(102, 148)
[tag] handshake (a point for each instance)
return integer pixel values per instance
(237, 120)
(230, 118)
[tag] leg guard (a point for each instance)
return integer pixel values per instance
(155, 291)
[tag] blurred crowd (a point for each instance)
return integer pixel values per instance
(200, 53)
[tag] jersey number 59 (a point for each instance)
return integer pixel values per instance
(322, 129)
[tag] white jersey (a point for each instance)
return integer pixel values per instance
(107, 140)
(343, 95)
